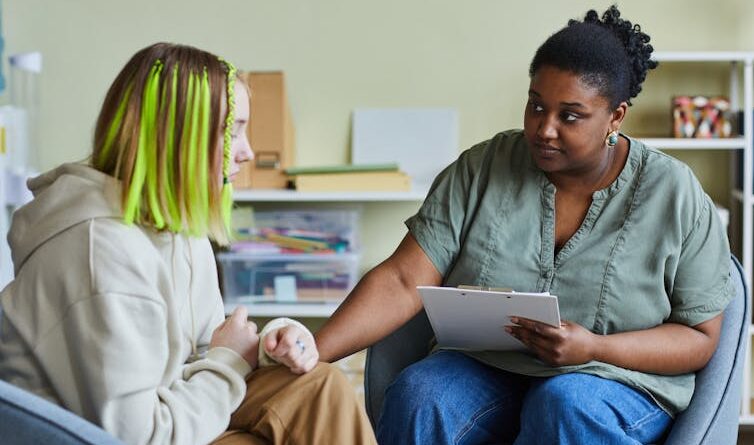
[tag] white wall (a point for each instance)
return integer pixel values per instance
(338, 55)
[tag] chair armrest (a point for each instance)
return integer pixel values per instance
(712, 415)
(26, 418)
(388, 357)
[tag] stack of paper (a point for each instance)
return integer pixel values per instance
(350, 178)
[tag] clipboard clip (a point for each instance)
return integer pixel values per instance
(485, 288)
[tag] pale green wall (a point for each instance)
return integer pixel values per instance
(341, 54)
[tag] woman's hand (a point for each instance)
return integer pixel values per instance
(570, 344)
(292, 347)
(239, 334)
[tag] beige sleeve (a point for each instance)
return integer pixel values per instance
(266, 360)
(112, 360)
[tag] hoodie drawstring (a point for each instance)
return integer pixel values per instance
(194, 351)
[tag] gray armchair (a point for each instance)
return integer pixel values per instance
(28, 419)
(710, 419)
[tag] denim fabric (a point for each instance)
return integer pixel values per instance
(451, 398)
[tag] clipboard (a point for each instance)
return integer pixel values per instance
(475, 320)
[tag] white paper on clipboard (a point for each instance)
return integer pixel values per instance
(475, 320)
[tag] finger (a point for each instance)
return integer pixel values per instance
(271, 341)
(308, 366)
(525, 322)
(520, 332)
(306, 361)
(515, 332)
(252, 326)
(287, 343)
(305, 367)
(284, 343)
(252, 330)
(310, 353)
(301, 353)
(543, 348)
(240, 315)
(531, 324)
(526, 336)
(542, 329)
(297, 366)
(286, 361)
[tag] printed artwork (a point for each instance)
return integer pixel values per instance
(701, 117)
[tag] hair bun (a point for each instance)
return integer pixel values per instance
(634, 40)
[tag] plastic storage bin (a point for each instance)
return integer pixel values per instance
(299, 231)
(249, 278)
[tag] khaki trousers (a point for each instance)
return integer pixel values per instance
(319, 407)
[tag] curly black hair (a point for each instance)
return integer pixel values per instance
(611, 54)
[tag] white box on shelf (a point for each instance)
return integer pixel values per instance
(250, 279)
(422, 141)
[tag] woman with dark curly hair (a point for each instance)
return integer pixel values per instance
(623, 235)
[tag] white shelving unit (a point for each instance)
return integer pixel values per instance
(741, 64)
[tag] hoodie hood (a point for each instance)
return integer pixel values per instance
(63, 198)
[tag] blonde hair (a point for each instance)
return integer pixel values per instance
(157, 133)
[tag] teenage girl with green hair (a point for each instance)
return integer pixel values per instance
(115, 312)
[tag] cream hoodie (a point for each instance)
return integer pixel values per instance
(112, 321)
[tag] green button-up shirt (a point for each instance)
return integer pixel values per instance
(650, 250)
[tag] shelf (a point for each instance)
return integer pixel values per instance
(251, 256)
(739, 196)
(746, 420)
(295, 196)
(318, 310)
(702, 56)
(694, 144)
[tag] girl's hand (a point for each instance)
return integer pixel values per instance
(239, 334)
(292, 347)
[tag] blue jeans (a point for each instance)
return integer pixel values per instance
(450, 398)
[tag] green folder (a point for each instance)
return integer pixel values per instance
(353, 168)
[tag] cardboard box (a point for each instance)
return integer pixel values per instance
(270, 133)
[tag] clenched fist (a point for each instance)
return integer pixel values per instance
(293, 347)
